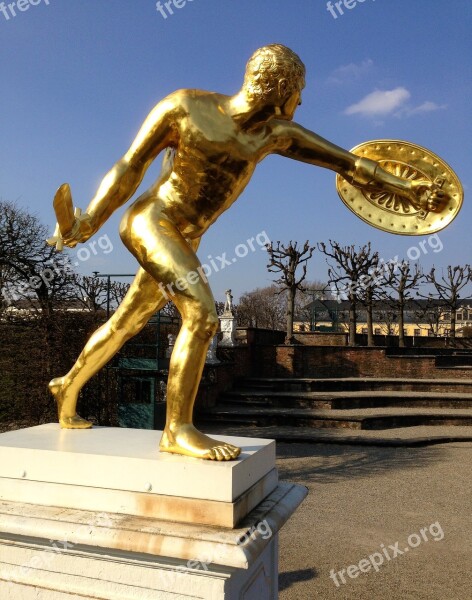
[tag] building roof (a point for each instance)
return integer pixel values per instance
(329, 310)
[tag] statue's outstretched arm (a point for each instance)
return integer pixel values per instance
(294, 141)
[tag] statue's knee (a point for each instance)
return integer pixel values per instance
(206, 324)
(214, 324)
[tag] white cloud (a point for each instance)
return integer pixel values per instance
(380, 103)
(387, 102)
(426, 107)
(350, 72)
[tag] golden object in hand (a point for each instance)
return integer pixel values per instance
(69, 219)
(392, 212)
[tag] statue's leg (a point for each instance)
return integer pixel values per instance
(168, 257)
(142, 300)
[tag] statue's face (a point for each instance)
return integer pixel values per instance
(290, 101)
(290, 106)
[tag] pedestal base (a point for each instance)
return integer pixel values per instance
(228, 330)
(48, 553)
(59, 552)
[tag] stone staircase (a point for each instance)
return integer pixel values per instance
(370, 411)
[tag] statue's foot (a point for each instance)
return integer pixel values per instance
(68, 418)
(187, 440)
(75, 422)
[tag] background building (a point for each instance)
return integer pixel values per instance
(421, 318)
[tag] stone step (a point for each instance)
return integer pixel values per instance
(360, 419)
(400, 437)
(339, 400)
(460, 385)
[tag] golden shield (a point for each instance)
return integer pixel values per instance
(394, 213)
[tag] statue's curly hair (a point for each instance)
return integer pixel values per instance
(267, 66)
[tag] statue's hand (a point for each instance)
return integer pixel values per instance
(81, 231)
(427, 196)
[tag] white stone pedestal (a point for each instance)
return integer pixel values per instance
(102, 514)
(228, 329)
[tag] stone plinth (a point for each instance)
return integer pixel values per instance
(122, 471)
(75, 522)
(228, 329)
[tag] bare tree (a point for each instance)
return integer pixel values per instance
(353, 275)
(29, 269)
(388, 321)
(368, 291)
(402, 279)
(91, 292)
(286, 260)
(220, 307)
(448, 288)
(431, 312)
(37, 337)
(118, 290)
(262, 307)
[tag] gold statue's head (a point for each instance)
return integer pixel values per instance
(273, 71)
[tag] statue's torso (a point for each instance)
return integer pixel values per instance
(213, 163)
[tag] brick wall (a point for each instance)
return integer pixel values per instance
(321, 338)
(328, 361)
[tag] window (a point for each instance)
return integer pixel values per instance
(365, 330)
(417, 332)
(377, 331)
(460, 316)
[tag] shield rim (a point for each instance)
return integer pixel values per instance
(340, 181)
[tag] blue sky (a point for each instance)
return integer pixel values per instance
(78, 78)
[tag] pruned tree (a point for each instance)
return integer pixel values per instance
(286, 260)
(118, 291)
(368, 291)
(448, 288)
(91, 292)
(387, 320)
(431, 313)
(353, 276)
(401, 278)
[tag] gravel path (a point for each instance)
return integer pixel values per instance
(362, 497)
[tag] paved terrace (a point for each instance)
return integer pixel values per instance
(362, 497)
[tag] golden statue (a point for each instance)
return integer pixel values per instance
(213, 144)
